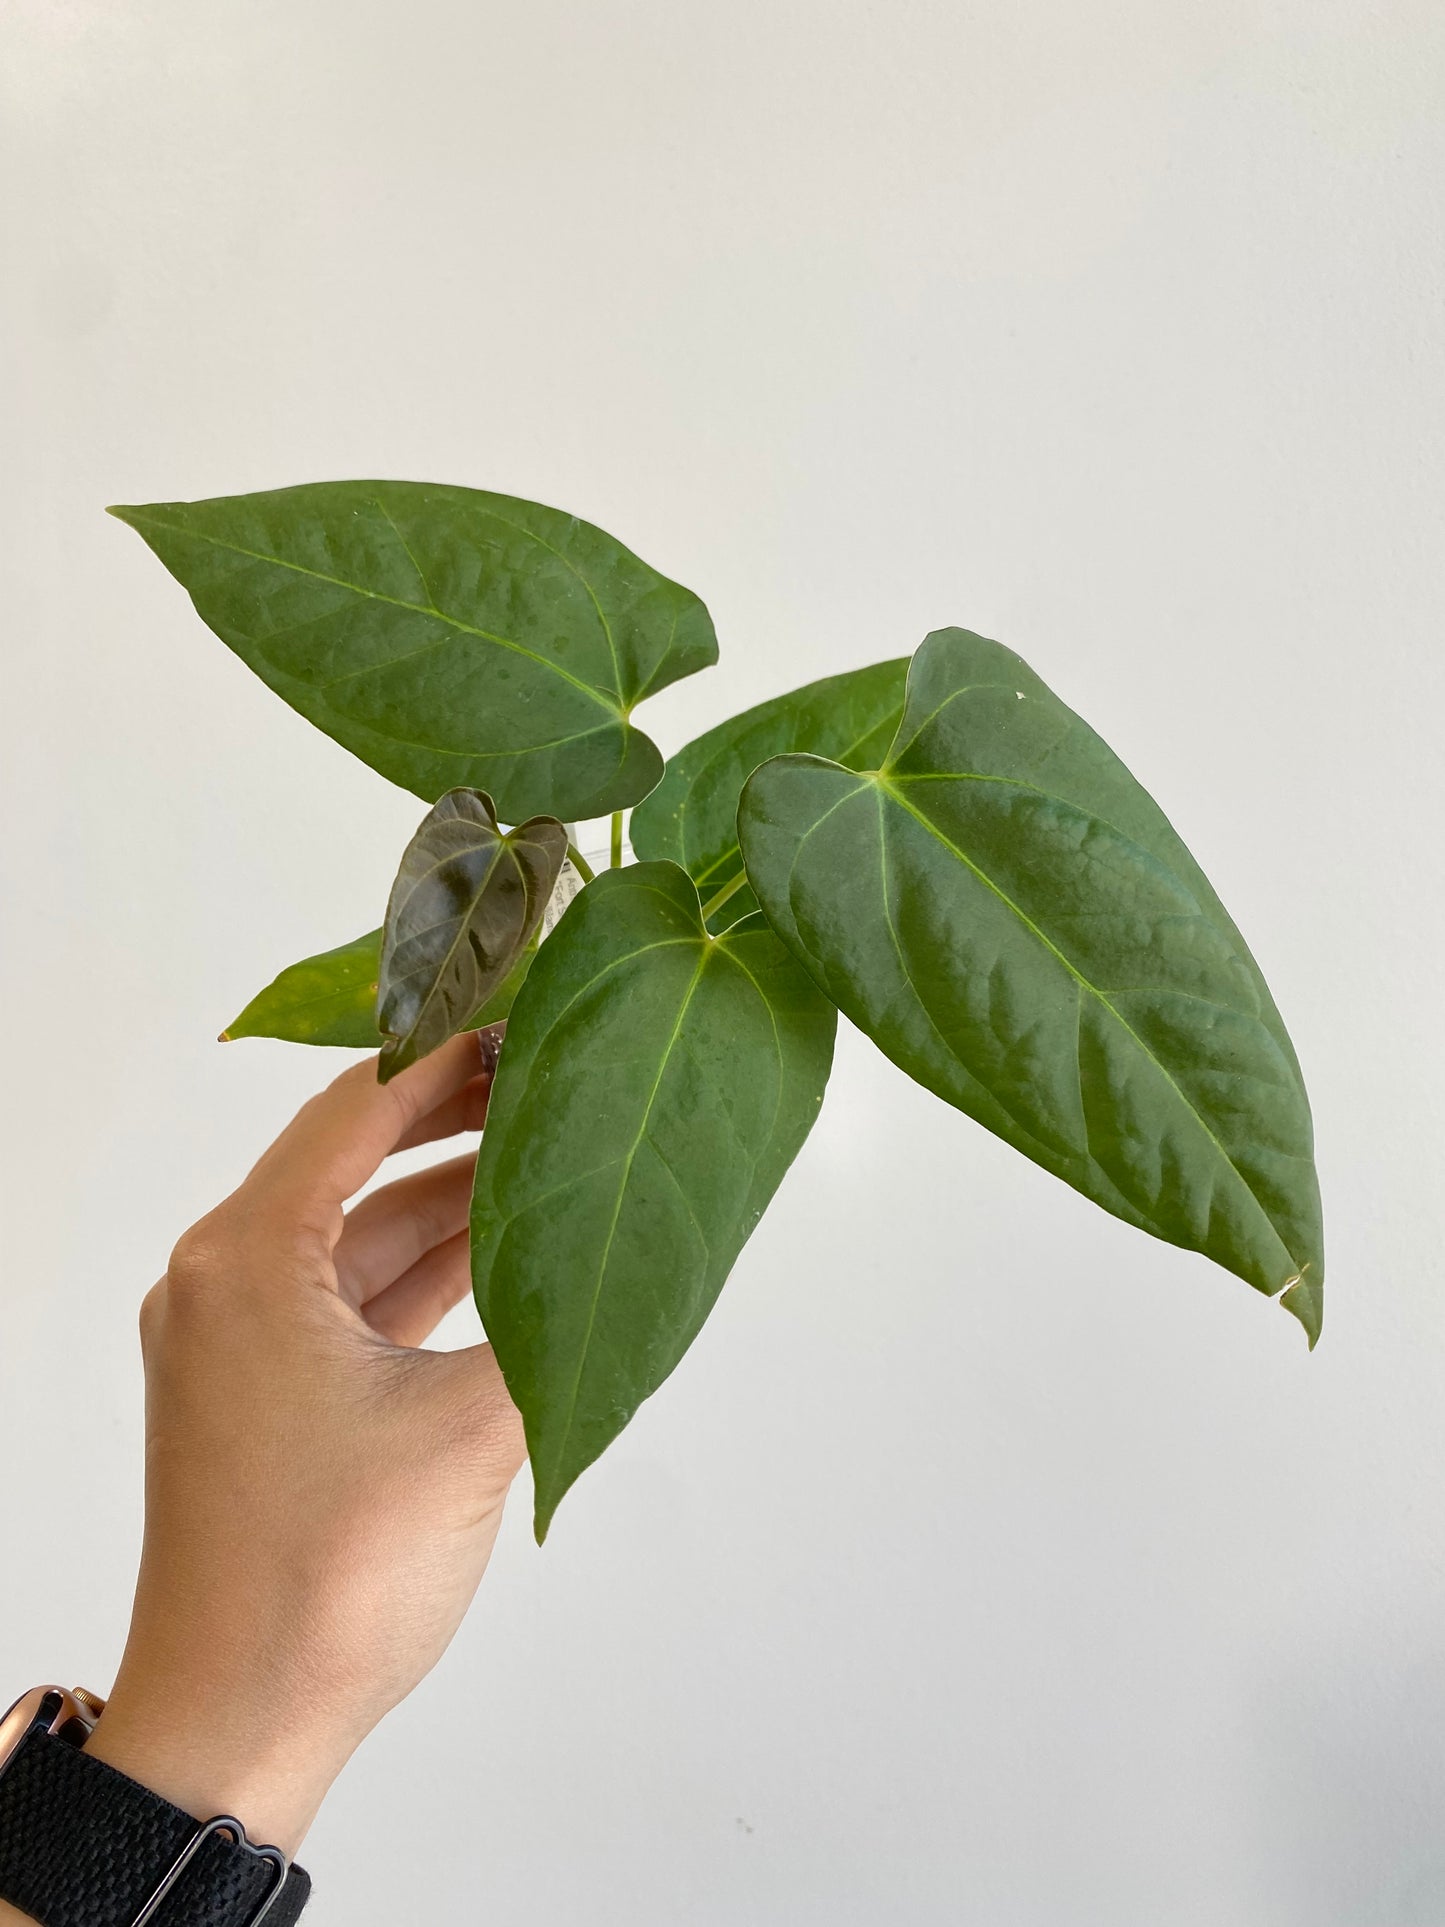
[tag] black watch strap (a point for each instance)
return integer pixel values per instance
(81, 1845)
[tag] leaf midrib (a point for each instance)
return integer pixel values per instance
(918, 998)
(613, 708)
(1095, 992)
(1268, 1013)
(709, 875)
(707, 947)
(463, 923)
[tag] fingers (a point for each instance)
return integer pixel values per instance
(466, 1109)
(338, 1139)
(409, 1310)
(392, 1228)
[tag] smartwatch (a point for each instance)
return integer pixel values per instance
(82, 1845)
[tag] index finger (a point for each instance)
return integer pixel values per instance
(338, 1138)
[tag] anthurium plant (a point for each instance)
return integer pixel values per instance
(937, 846)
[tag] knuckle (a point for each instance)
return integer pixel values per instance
(152, 1311)
(199, 1256)
(235, 1244)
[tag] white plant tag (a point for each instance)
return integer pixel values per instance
(569, 882)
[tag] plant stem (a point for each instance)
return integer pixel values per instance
(728, 890)
(580, 863)
(617, 839)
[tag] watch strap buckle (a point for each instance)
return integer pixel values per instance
(223, 1823)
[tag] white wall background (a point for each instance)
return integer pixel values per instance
(986, 1563)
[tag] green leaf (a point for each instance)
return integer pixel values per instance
(447, 636)
(655, 1086)
(466, 900)
(327, 999)
(692, 814)
(331, 999)
(1011, 918)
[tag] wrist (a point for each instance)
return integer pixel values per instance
(228, 1700)
(210, 1752)
(84, 1838)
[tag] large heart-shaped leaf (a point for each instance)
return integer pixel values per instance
(447, 636)
(331, 998)
(466, 900)
(692, 815)
(656, 1084)
(1009, 915)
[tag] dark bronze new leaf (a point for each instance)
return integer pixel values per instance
(465, 903)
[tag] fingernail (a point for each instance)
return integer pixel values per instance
(489, 1046)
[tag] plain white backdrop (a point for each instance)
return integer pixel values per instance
(985, 1562)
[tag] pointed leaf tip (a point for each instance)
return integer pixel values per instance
(1304, 1300)
(520, 678)
(1011, 918)
(603, 1233)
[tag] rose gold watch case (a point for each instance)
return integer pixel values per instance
(74, 1716)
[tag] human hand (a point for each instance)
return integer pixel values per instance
(321, 1495)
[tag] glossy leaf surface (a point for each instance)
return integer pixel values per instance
(466, 901)
(331, 999)
(692, 815)
(655, 1086)
(447, 636)
(1008, 914)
